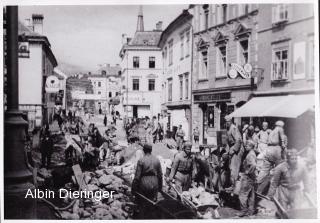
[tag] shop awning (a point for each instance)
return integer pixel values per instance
(289, 106)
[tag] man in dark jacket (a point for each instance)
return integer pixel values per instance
(46, 149)
(147, 181)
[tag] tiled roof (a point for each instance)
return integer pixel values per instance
(145, 38)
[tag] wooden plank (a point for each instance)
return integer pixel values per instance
(79, 177)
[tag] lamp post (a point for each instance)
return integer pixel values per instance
(17, 176)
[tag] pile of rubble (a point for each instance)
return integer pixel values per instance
(117, 206)
(200, 197)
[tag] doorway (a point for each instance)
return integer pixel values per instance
(135, 111)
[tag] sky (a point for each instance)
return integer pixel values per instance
(86, 36)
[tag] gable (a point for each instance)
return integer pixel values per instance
(242, 31)
(220, 38)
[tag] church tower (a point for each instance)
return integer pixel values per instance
(140, 26)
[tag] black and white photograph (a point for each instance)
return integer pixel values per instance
(156, 110)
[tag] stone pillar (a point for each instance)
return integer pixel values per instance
(17, 176)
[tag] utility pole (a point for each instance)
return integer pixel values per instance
(17, 176)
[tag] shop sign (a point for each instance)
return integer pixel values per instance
(213, 97)
(23, 49)
(245, 71)
(52, 84)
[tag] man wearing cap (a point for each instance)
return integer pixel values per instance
(248, 178)
(273, 155)
(182, 168)
(287, 179)
(236, 149)
(180, 137)
(148, 175)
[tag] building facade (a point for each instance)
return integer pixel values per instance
(286, 54)
(113, 86)
(141, 72)
(99, 83)
(225, 67)
(36, 63)
(176, 44)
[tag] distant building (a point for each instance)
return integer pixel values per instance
(80, 93)
(176, 44)
(36, 64)
(61, 96)
(141, 71)
(99, 83)
(113, 86)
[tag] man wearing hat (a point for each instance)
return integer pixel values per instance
(236, 149)
(148, 175)
(287, 179)
(182, 168)
(273, 156)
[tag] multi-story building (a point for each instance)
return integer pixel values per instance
(286, 56)
(176, 45)
(113, 85)
(225, 63)
(36, 63)
(99, 83)
(141, 64)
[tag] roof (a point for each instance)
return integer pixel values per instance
(26, 34)
(181, 19)
(145, 39)
(110, 70)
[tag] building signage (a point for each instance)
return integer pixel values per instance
(213, 97)
(23, 49)
(245, 71)
(52, 84)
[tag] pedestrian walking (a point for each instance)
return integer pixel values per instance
(46, 149)
(105, 120)
(196, 135)
(180, 137)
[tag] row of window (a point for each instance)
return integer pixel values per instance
(110, 94)
(301, 52)
(183, 87)
(136, 62)
(136, 84)
(221, 58)
(220, 13)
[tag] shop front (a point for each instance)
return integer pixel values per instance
(210, 109)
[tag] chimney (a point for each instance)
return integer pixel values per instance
(159, 26)
(124, 38)
(37, 21)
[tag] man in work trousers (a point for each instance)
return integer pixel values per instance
(180, 137)
(182, 168)
(273, 156)
(147, 180)
(286, 182)
(236, 149)
(248, 179)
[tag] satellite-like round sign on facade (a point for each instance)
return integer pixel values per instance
(247, 68)
(233, 73)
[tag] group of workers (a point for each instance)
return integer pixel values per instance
(248, 163)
